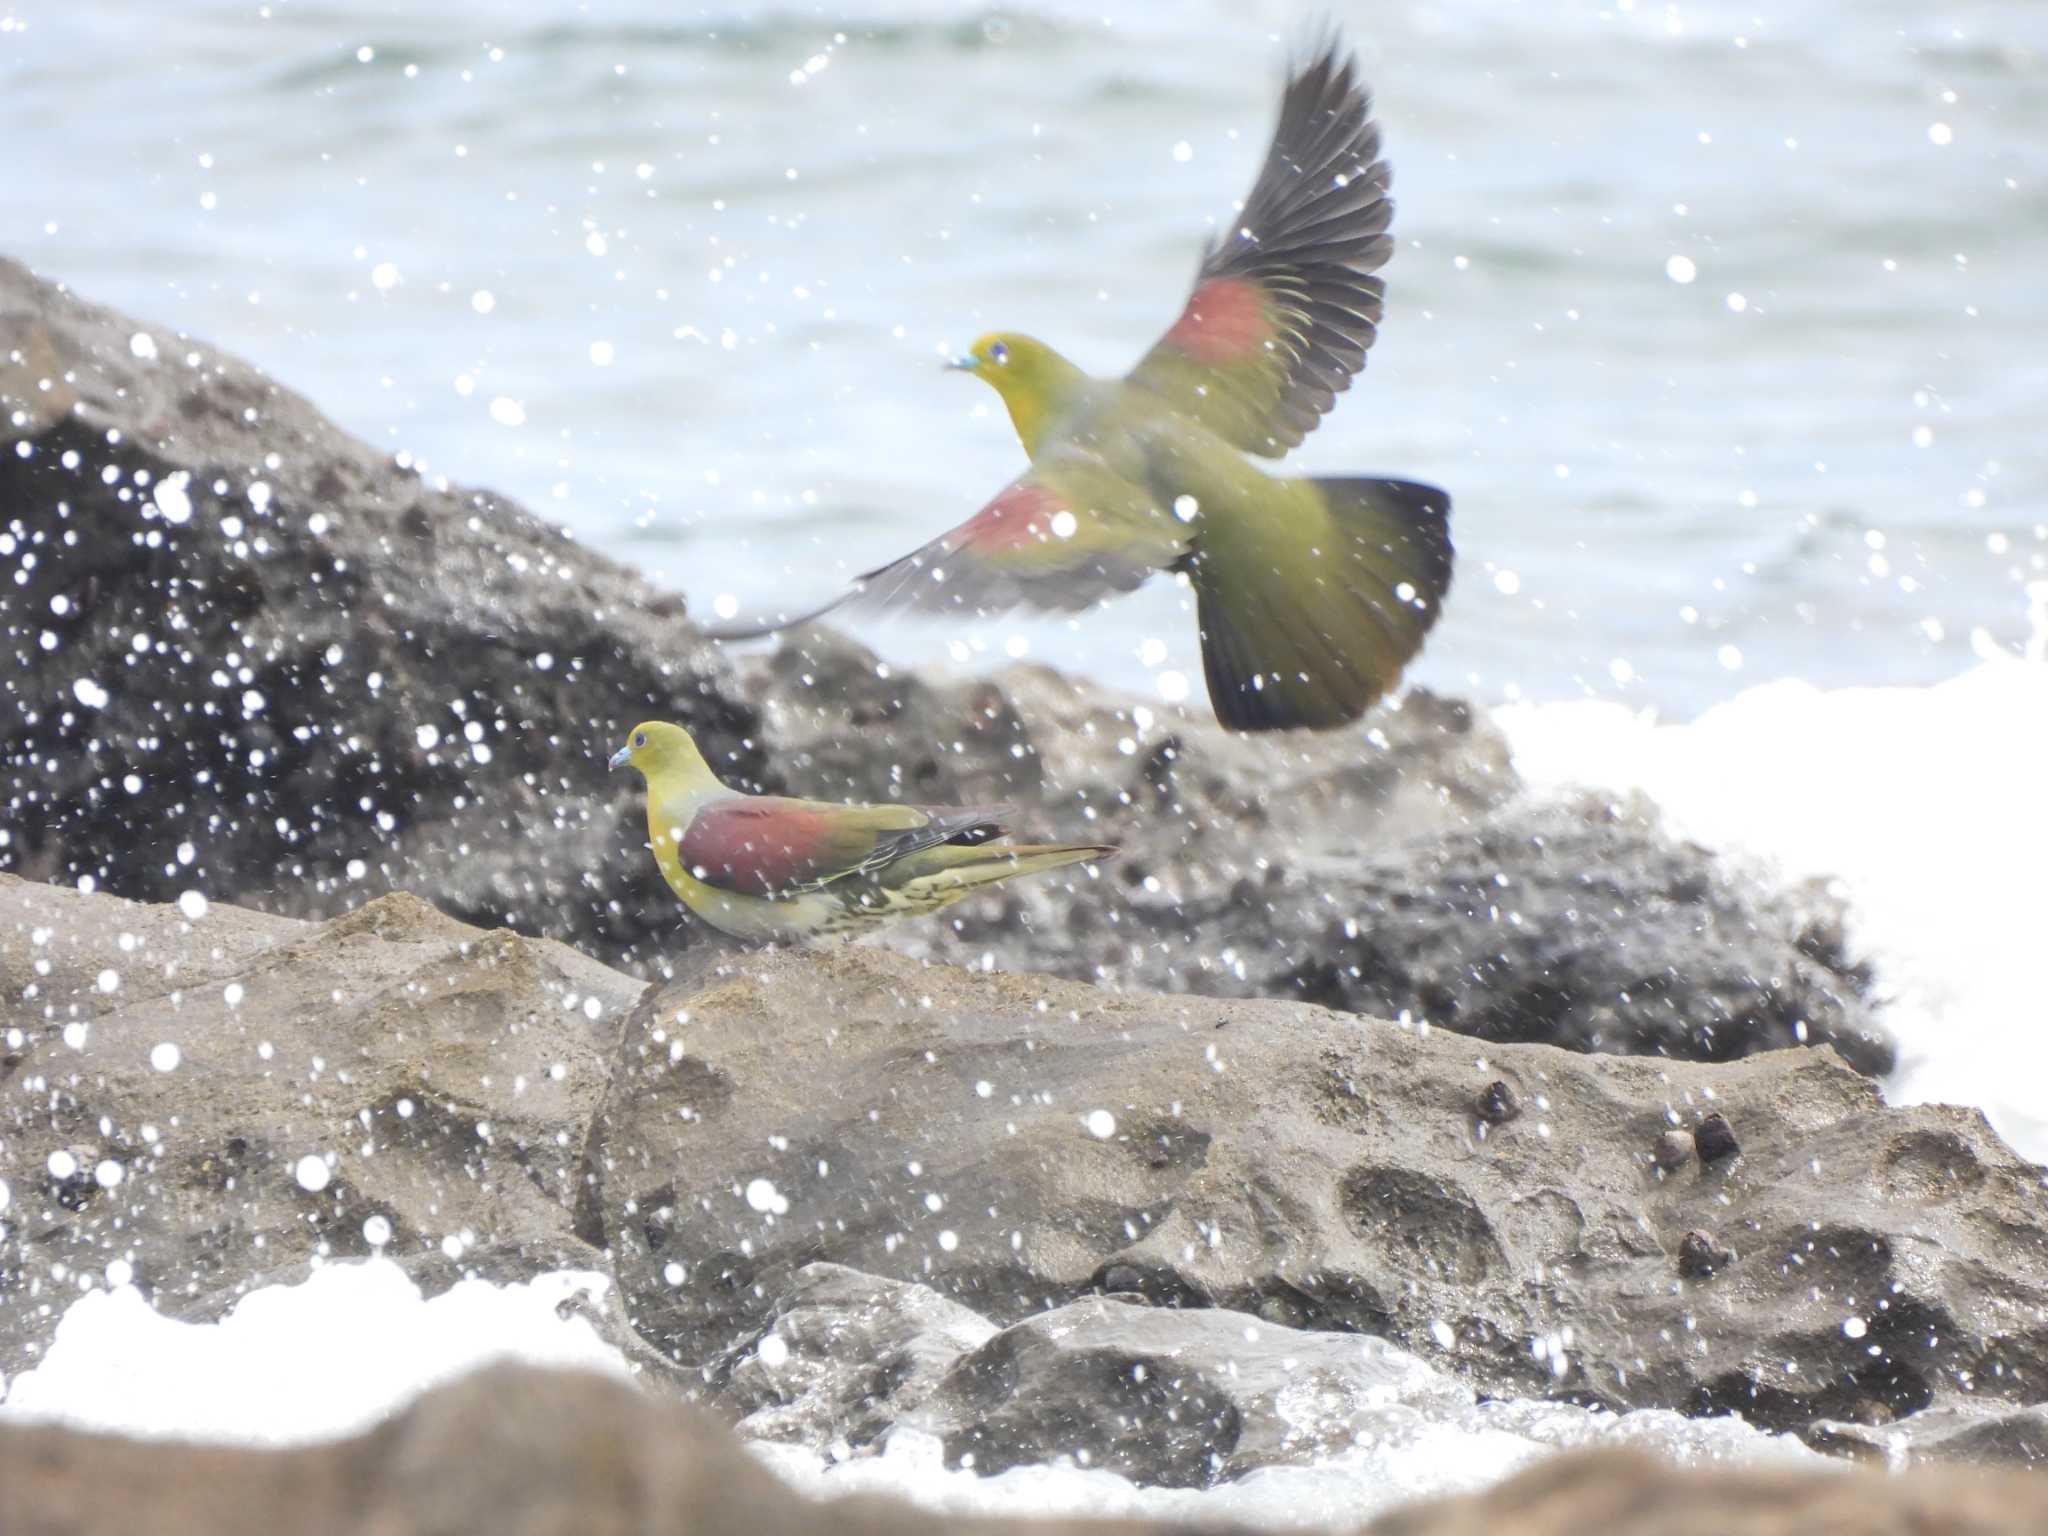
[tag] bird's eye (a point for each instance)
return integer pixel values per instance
(998, 353)
(639, 738)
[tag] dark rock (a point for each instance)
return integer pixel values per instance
(1672, 1150)
(267, 662)
(433, 1079)
(848, 1357)
(1700, 1254)
(1400, 874)
(250, 655)
(1497, 1103)
(1011, 1141)
(1179, 1399)
(1715, 1138)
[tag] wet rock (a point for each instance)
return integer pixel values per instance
(1715, 1139)
(1013, 1141)
(251, 655)
(570, 1453)
(848, 1356)
(1630, 1494)
(230, 1094)
(1179, 1399)
(1700, 1254)
(509, 1451)
(1497, 1103)
(1672, 1150)
(254, 657)
(1400, 875)
(1971, 1434)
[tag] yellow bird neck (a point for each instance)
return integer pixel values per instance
(1039, 394)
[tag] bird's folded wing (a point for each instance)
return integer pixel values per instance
(1286, 302)
(1062, 536)
(771, 845)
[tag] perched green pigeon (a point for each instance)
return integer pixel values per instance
(769, 867)
(1311, 594)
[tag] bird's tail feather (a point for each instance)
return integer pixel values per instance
(754, 626)
(954, 865)
(1307, 620)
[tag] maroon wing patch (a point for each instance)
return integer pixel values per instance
(1022, 513)
(767, 844)
(1224, 322)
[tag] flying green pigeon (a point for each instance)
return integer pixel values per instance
(1311, 594)
(769, 867)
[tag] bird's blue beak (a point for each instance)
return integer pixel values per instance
(966, 362)
(619, 757)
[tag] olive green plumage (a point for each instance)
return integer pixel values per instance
(801, 871)
(1312, 594)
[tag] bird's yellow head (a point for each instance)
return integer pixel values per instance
(665, 752)
(1036, 383)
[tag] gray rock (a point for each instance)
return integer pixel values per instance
(507, 1451)
(1393, 871)
(267, 662)
(1175, 1398)
(1966, 1433)
(1016, 1143)
(311, 676)
(515, 1451)
(1631, 1494)
(214, 1102)
(848, 1357)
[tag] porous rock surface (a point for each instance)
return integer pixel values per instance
(250, 655)
(1016, 1143)
(1389, 871)
(977, 1151)
(207, 1103)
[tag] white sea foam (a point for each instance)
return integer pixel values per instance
(295, 1363)
(292, 1364)
(1926, 805)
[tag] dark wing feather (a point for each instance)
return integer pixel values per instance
(1287, 302)
(1060, 537)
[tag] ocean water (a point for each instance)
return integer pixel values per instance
(679, 276)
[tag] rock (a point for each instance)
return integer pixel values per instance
(1700, 1254)
(1178, 1399)
(1715, 1139)
(516, 1451)
(207, 1102)
(848, 1357)
(1497, 1103)
(508, 1451)
(266, 662)
(1400, 873)
(1014, 1142)
(1965, 1433)
(1626, 1493)
(252, 656)
(1672, 1150)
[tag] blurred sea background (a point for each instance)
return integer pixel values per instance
(1723, 324)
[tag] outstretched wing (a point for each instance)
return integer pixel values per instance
(771, 845)
(1286, 304)
(1061, 537)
